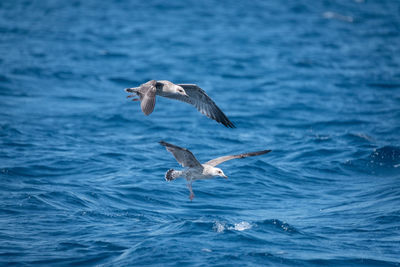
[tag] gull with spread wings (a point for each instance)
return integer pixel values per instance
(194, 169)
(189, 93)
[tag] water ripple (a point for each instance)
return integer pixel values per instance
(82, 173)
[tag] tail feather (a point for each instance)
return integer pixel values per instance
(131, 90)
(171, 175)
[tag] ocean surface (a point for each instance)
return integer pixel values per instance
(82, 173)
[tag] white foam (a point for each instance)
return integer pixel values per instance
(241, 226)
(219, 227)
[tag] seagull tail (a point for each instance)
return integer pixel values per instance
(171, 175)
(131, 90)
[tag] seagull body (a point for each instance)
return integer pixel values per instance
(189, 93)
(194, 169)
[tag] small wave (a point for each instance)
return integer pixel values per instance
(8, 130)
(220, 227)
(354, 261)
(284, 226)
(386, 155)
(241, 226)
(357, 137)
(382, 160)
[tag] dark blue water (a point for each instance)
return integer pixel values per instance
(81, 172)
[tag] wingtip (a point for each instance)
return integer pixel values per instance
(228, 124)
(257, 153)
(265, 151)
(163, 143)
(146, 112)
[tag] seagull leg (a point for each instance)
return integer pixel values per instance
(189, 185)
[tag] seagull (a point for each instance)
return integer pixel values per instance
(189, 93)
(195, 170)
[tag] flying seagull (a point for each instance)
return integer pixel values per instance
(195, 170)
(189, 93)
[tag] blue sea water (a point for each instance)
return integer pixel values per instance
(82, 173)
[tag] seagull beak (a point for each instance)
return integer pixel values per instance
(226, 177)
(129, 90)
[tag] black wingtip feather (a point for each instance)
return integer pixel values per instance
(257, 153)
(223, 119)
(231, 125)
(227, 123)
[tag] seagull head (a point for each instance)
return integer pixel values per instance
(219, 172)
(180, 91)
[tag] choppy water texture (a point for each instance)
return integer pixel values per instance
(81, 172)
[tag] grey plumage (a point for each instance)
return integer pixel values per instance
(217, 161)
(195, 170)
(188, 93)
(182, 155)
(147, 95)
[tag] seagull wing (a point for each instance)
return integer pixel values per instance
(147, 95)
(203, 103)
(215, 162)
(182, 155)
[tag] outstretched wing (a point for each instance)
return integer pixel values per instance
(182, 155)
(147, 95)
(215, 162)
(203, 103)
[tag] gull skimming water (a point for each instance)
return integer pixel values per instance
(189, 93)
(195, 170)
